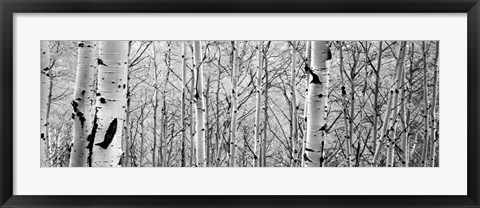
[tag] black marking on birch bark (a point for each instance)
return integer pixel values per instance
(83, 92)
(109, 134)
(306, 158)
(120, 161)
(396, 91)
(81, 118)
(91, 139)
(307, 68)
(81, 45)
(74, 105)
(124, 86)
(102, 100)
(309, 150)
(119, 86)
(98, 94)
(323, 128)
(46, 69)
(73, 115)
(329, 54)
(42, 136)
(100, 62)
(320, 95)
(315, 78)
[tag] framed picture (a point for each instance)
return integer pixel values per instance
(269, 103)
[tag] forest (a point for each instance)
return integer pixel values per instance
(239, 103)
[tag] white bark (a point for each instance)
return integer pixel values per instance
(317, 105)
(111, 101)
(44, 88)
(233, 127)
(294, 106)
(258, 108)
(200, 124)
(83, 103)
(308, 55)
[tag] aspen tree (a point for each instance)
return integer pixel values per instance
(389, 120)
(199, 101)
(126, 128)
(105, 138)
(44, 88)
(164, 129)
(233, 127)
(425, 99)
(155, 105)
(308, 57)
(192, 90)
(317, 105)
(348, 139)
(294, 107)
(263, 148)
(399, 66)
(259, 100)
(434, 105)
(377, 86)
(184, 94)
(83, 102)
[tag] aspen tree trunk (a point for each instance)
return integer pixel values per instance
(425, 97)
(403, 122)
(388, 120)
(409, 109)
(391, 134)
(207, 133)
(434, 105)
(184, 94)
(233, 127)
(218, 142)
(377, 87)
(105, 140)
(263, 148)
(348, 143)
(258, 110)
(317, 105)
(126, 128)
(351, 116)
(83, 103)
(308, 55)
(199, 100)
(155, 105)
(294, 115)
(44, 86)
(163, 138)
(192, 90)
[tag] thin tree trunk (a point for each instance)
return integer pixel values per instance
(317, 105)
(199, 100)
(83, 103)
(263, 148)
(434, 105)
(393, 120)
(385, 131)
(258, 110)
(126, 128)
(207, 132)
(163, 139)
(155, 105)
(294, 107)
(106, 137)
(192, 90)
(44, 86)
(425, 97)
(348, 143)
(184, 94)
(377, 89)
(233, 127)
(218, 140)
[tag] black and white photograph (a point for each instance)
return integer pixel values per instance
(239, 103)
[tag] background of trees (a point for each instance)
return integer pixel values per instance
(160, 71)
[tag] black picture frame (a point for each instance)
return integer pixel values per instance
(9, 7)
